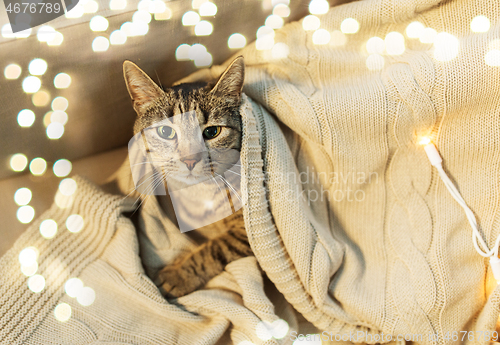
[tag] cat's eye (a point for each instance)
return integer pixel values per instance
(212, 132)
(166, 132)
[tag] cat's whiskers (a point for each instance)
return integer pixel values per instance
(230, 186)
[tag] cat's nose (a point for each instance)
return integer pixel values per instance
(190, 163)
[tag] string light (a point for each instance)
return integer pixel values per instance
(477, 239)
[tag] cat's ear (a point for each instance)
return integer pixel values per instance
(230, 83)
(141, 88)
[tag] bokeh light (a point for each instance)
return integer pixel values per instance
(204, 60)
(208, 9)
(38, 166)
(40, 98)
(492, 58)
(12, 71)
(349, 26)
(375, 45)
(18, 162)
(23, 196)
(264, 331)
(182, 52)
(190, 18)
(46, 33)
(55, 130)
(480, 24)
(141, 16)
(60, 103)
(73, 287)
(62, 312)
(274, 22)
(236, 41)
(375, 62)
(117, 37)
(76, 12)
(196, 51)
(30, 270)
(26, 118)
(58, 116)
(280, 329)
(338, 38)
(31, 84)
(310, 23)
(48, 228)
(28, 256)
(100, 44)
(165, 15)
(414, 29)
(203, 28)
(90, 6)
(264, 42)
(86, 296)
(394, 43)
(156, 7)
(446, 47)
(281, 10)
(25, 214)
(37, 67)
(98, 23)
(265, 31)
(68, 186)
(36, 283)
(280, 51)
(321, 36)
(319, 7)
(62, 81)
(428, 35)
(63, 201)
(7, 31)
(74, 223)
(57, 40)
(117, 4)
(196, 4)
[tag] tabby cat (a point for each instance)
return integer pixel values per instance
(216, 107)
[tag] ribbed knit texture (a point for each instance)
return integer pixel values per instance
(395, 258)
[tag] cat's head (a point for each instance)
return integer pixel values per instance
(193, 131)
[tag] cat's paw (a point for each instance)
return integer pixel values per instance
(174, 281)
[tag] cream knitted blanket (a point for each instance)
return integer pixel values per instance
(349, 221)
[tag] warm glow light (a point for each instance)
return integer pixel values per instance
(190, 18)
(281, 10)
(117, 37)
(46, 33)
(57, 40)
(277, 2)
(60, 103)
(196, 51)
(62, 312)
(446, 47)
(375, 62)
(264, 42)
(349, 26)
(37, 67)
(25, 118)
(141, 16)
(494, 44)
(62, 168)
(319, 7)
(25, 214)
(196, 4)
(265, 31)
(48, 228)
(310, 23)
(31, 84)
(36, 283)
(63, 201)
(7, 31)
(76, 12)
(18, 162)
(74, 223)
(338, 38)
(86, 296)
(208, 9)
(73, 287)
(58, 116)
(236, 41)
(204, 60)
(428, 35)
(165, 15)
(31, 270)
(492, 58)
(424, 141)
(68, 186)
(274, 22)
(264, 331)
(22, 196)
(100, 44)
(394, 43)
(98, 23)
(182, 52)
(117, 4)
(38, 166)
(203, 28)
(55, 130)
(321, 36)
(62, 81)
(28, 256)
(40, 98)
(157, 7)
(480, 24)
(280, 51)
(127, 28)
(90, 6)
(138, 28)
(414, 30)
(279, 329)
(12, 71)
(375, 45)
